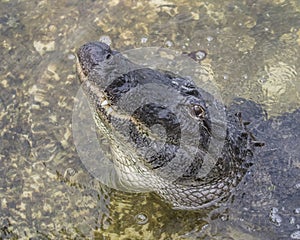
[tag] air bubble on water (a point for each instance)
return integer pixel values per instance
(209, 38)
(200, 55)
(225, 77)
(71, 56)
(69, 172)
(263, 79)
(105, 39)
(168, 43)
(224, 217)
(144, 40)
(141, 218)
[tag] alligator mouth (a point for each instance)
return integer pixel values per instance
(80, 72)
(101, 103)
(98, 97)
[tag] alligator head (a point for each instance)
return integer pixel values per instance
(130, 101)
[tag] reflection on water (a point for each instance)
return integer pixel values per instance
(45, 191)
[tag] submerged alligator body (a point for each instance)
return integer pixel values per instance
(172, 170)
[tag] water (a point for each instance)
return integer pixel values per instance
(252, 52)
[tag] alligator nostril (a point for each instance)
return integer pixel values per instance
(108, 56)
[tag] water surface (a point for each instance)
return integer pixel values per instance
(253, 52)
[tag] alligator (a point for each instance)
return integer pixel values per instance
(147, 161)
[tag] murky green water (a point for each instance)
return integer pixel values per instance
(45, 192)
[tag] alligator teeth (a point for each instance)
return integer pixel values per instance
(104, 103)
(109, 110)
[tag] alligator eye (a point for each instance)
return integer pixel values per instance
(199, 111)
